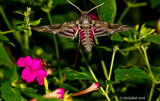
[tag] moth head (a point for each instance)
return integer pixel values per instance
(84, 11)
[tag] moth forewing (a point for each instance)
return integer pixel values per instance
(85, 27)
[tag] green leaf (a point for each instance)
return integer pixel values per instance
(19, 22)
(14, 75)
(124, 53)
(3, 38)
(153, 38)
(158, 89)
(11, 43)
(36, 22)
(154, 3)
(130, 73)
(116, 37)
(68, 86)
(27, 89)
(60, 2)
(107, 11)
(67, 96)
(104, 47)
(47, 90)
(18, 28)
(4, 58)
(29, 32)
(84, 75)
(10, 94)
(19, 12)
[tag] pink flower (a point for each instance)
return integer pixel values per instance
(93, 17)
(33, 69)
(58, 93)
(93, 87)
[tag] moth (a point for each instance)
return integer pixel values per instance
(85, 27)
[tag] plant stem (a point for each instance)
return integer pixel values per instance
(111, 67)
(110, 72)
(132, 48)
(151, 92)
(5, 32)
(57, 50)
(26, 41)
(129, 5)
(5, 18)
(49, 17)
(150, 72)
(102, 62)
(104, 68)
(93, 75)
(123, 14)
(16, 34)
(105, 71)
(147, 62)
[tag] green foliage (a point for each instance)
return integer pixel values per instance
(14, 75)
(107, 12)
(106, 48)
(25, 25)
(129, 74)
(4, 56)
(72, 75)
(10, 94)
(154, 3)
(116, 38)
(153, 38)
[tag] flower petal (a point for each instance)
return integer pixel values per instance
(29, 61)
(24, 61)
(93, 17)
(93, 87)
(61, 93)
(28, 75)
(21, 61)
(58, 93)
(37, 64)
(40, 76)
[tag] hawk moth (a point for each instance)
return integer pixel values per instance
(85, 27)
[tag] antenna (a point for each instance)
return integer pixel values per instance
(95, 7)
(75, 6)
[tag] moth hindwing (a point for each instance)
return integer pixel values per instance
(85, 27)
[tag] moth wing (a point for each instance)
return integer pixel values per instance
(104, 28)
(67, 29)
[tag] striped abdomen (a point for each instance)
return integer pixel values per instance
(87, 38)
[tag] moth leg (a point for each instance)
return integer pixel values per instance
(76, 33)
(79, 40)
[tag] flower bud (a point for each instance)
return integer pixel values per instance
(93, 87)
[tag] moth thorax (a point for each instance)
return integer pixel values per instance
(85, 22)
